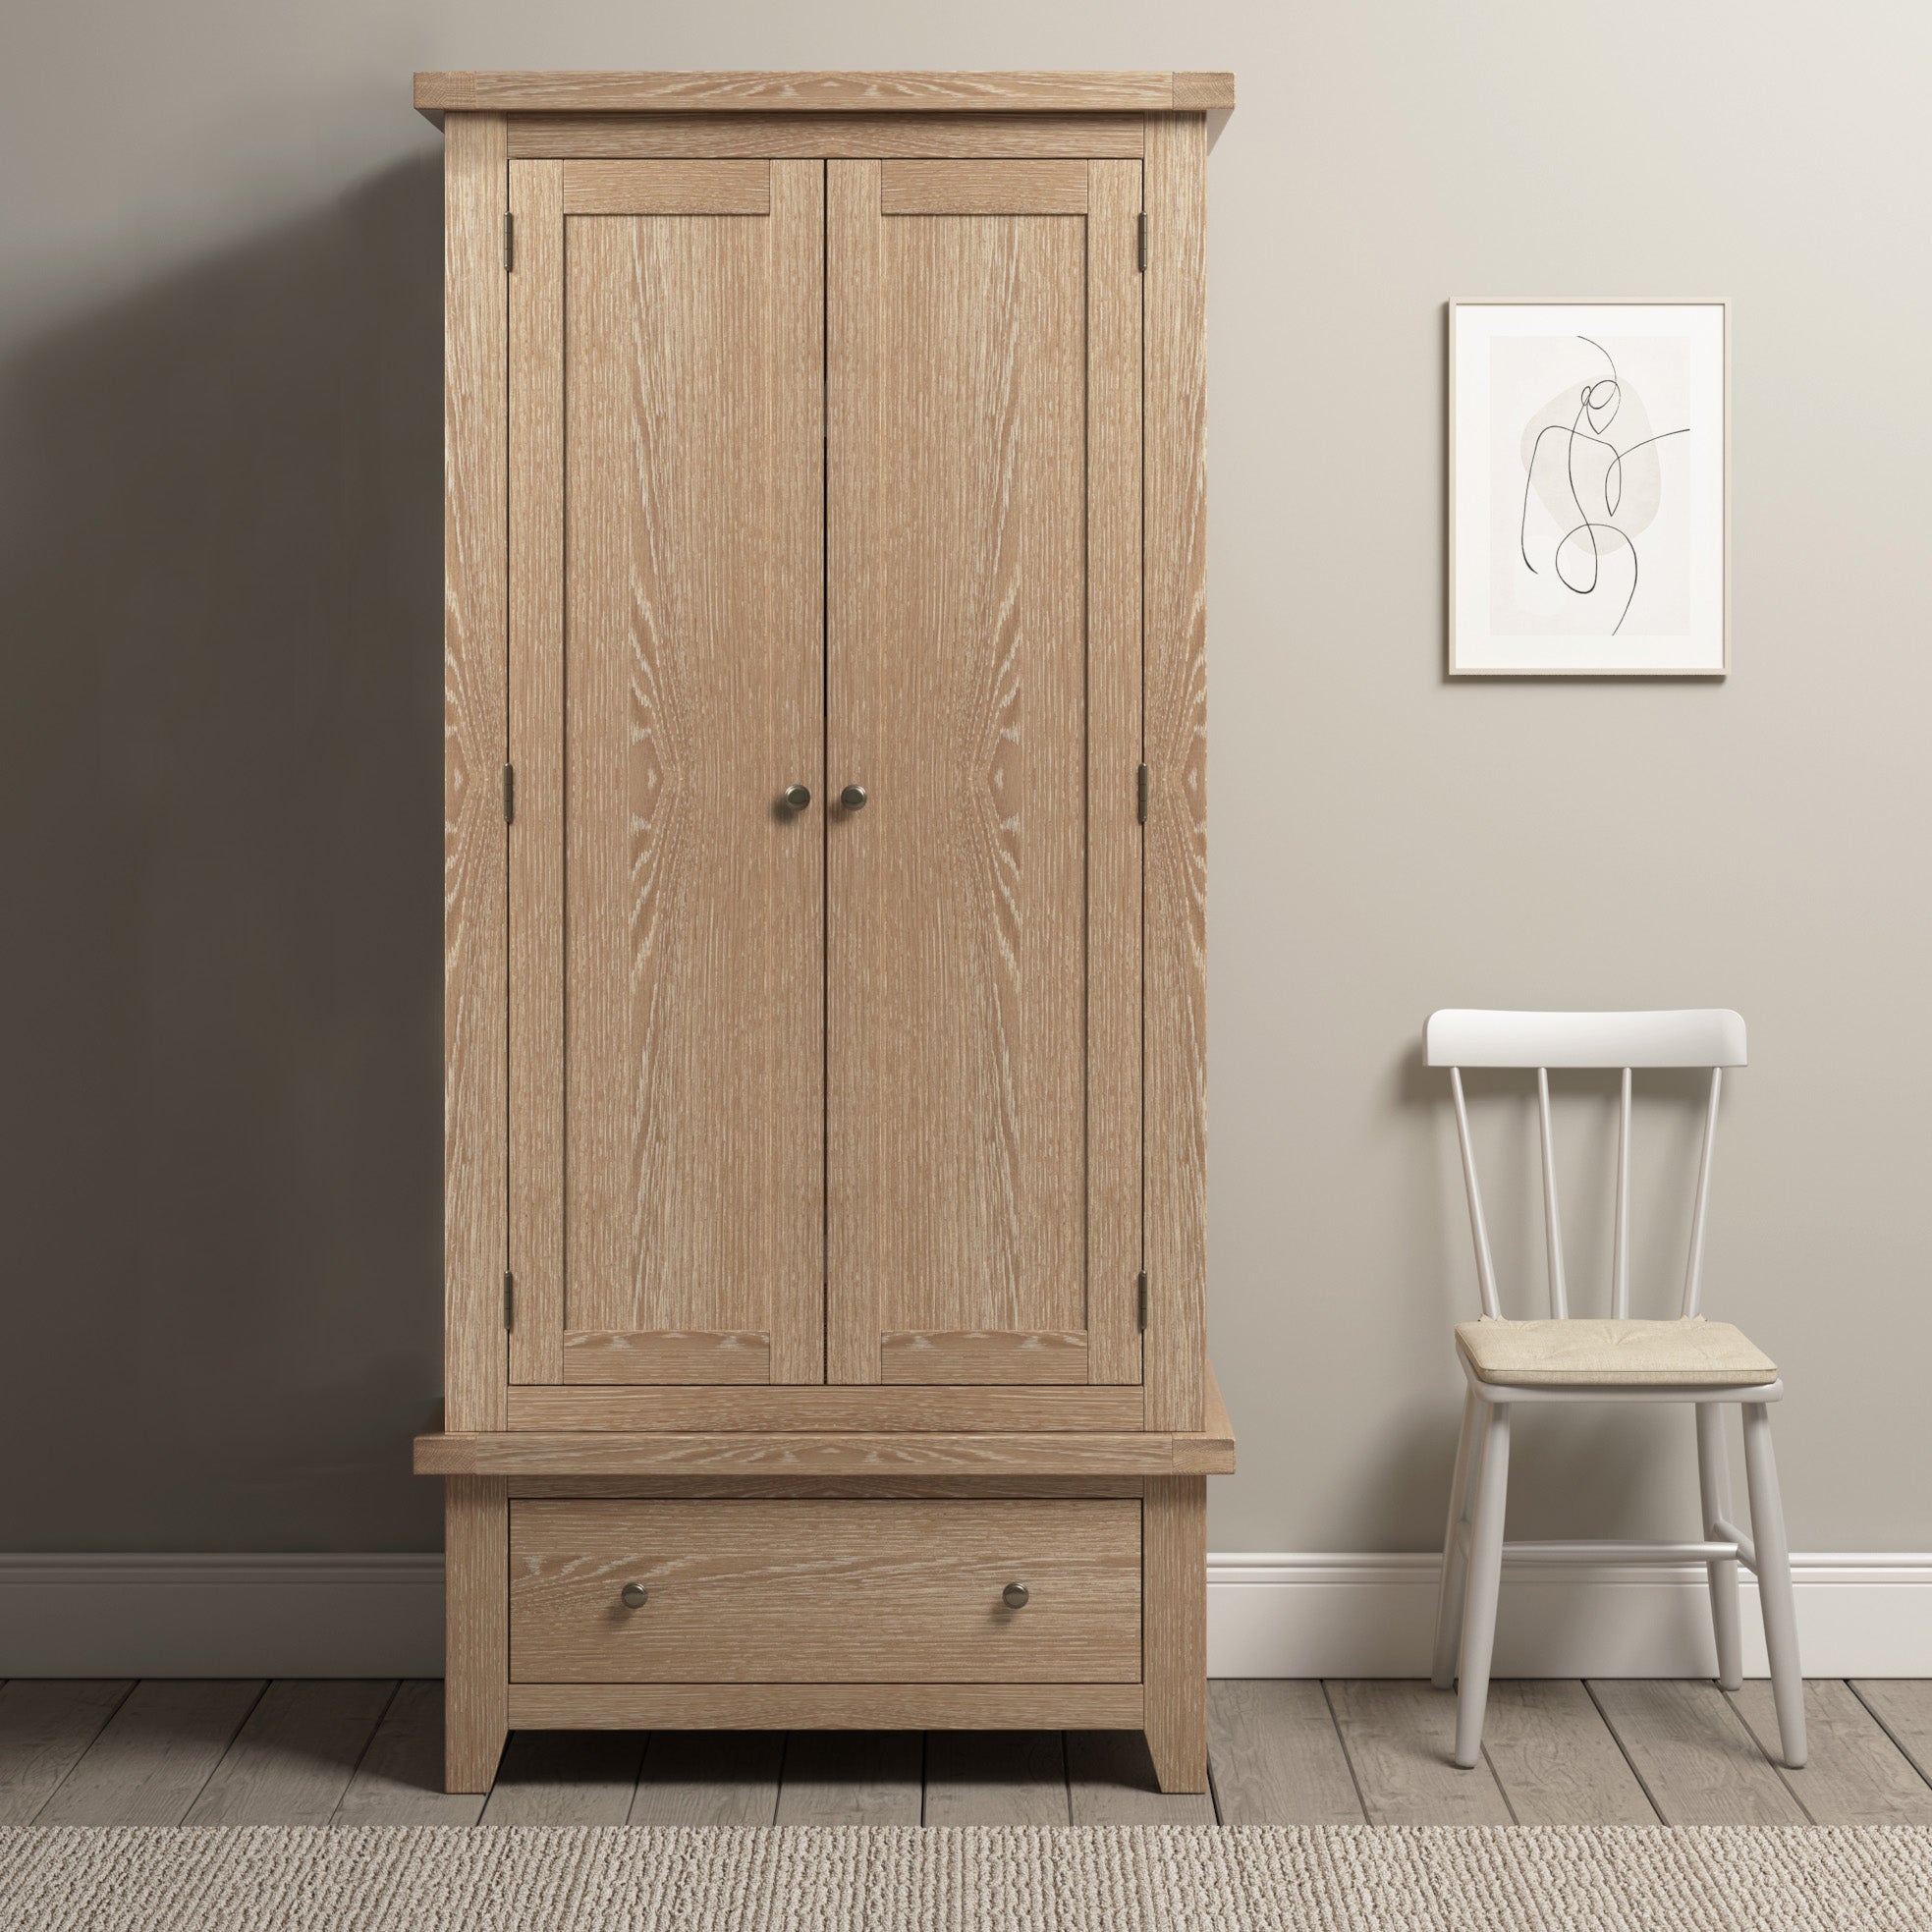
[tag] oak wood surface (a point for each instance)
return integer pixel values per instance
(1111, 1780)
(566, 1778)
(1174, 1617)
(153, 1755)
(1398, 1736)
(1698, 1761)
(667, 188)
(1854, 1773)
(1174, 1014)
(852, 1777)
(474, 739)
(828, 1707)
(477, 1630)
(709, 1778)
(665, 1356)
(982, 188)
(1550, 1750)
(824, 89)
(292, 1760)
(987, 1407)
(45, 1728)
(1003, 1355)
(400, 1779)
(839, 135)
(1275, 1756)
(846, 1488)
(1904, 1708)
(695, 991)
(825, 1591)
(995, 1778)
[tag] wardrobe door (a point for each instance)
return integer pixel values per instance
(983, 691)
(667, 688)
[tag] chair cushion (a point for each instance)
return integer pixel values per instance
(1548, 1354)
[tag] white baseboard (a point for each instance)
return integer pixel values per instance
(1290, 1614)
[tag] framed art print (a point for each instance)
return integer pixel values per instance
(1587, 470)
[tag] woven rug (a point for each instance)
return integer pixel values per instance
(990, 1879)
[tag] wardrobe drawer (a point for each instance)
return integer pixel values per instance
(797, 1592)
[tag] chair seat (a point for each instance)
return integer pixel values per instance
(1613, 1355)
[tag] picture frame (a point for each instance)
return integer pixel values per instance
(1588, 487)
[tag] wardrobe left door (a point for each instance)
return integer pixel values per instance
(666, 1029)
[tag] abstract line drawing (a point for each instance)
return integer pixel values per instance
(1599, 403)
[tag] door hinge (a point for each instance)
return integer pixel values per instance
(1140, 795)
(510, 242)
(1144, 243)
(510, 1299)
(509, 793)
(1143, 1302)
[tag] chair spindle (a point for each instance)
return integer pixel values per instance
(1552, 1221)
(1485, 1269)
(1619, 1259)
(1694, 1270)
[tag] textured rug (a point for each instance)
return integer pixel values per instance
(992, 1879)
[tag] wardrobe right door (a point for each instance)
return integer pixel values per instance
(984, 868)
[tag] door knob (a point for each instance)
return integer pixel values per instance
(1013, 1596)
(798, 796)
(853, 798)
(634, 1596)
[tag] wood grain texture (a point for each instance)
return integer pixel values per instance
(1003, 1355)
(694, 1171)
(45, 1728)
(982, 188)
(537, 751)
(1551, 1751)
(819, 90)
(1206, 92)
(852, 1777)
(853, 136)
(995, 1778)
(667, 188)
(154, 1754)
(1114, 1257)
(1175, 1614)
(709, 1778)
(1854, 1772)
(1698, 1762)
(829, 1706)
(719, 1489)
(1111, 1780)
(988, 1407)
(825, 1593)
(664, 1355)
(477, 1630)
(475, 335)
(566, 1778)
(1176, 732)
(292, 1760)
(1904, 1708)
(955, 961)
(400, 1780)
(1275, 1756)
(1398, 1736)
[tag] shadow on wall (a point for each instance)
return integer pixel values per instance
(221, 534)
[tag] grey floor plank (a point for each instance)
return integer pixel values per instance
(1853, 1773)
(400, 1780)
(995, 1778)
(293, 1759)
(566, 1778)
(1275, 1756)
(1556, 1759)
(45, 1725)
(1903, 1705)
(1700, 1763)
(709, 1778)
(1110, 1780)
(1398, 1736)
(155, 1753)
(850, 1778)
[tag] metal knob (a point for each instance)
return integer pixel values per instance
(634, 1596)
(853, 798)
(798, 796)
(1013, 1596)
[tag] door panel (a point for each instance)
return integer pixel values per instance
(968, 621)
(681, 465)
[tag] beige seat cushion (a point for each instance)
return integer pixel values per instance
(1624, 1354)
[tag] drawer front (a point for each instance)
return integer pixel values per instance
(803, 1591)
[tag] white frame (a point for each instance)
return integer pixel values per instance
(1455, 667)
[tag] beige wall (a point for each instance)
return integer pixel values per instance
(219, 536)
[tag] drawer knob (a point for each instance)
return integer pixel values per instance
(798, 796)
(1013, 1596)
(634, 1596)
(853, 798)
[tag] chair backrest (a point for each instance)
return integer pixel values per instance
(1702, 1036)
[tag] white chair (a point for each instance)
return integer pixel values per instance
(1569, 1360)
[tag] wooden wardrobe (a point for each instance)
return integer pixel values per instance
(825, 877)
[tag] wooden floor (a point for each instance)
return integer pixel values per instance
(297, 1751)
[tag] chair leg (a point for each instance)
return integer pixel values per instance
(1449, 1592)
(1714, 1484)
(1485, 1578)
(1774, 1581)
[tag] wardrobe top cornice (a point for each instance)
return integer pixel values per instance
(814, 91)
